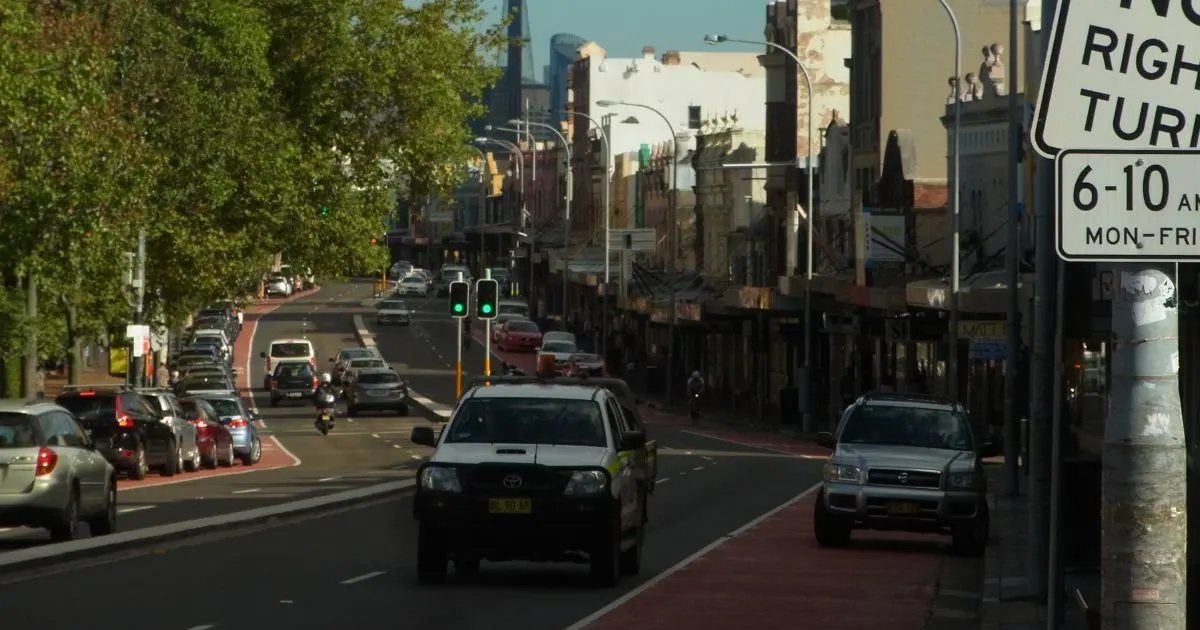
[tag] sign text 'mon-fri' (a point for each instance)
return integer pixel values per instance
(1121, 74)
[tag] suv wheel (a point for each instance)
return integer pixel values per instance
(606, 556)
(174, 456)
(830, 530)
(432, 555)
(138, 472)
(971, 538)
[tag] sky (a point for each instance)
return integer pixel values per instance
(623, 27)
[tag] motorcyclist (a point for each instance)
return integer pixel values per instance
(323, 390)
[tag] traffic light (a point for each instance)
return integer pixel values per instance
(324, 211)
(460, 295)
(487, 298)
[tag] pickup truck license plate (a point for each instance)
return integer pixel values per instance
(903, 508)
(510, 506)
(295, 394)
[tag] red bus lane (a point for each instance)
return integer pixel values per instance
(773, 575)
(274, 455)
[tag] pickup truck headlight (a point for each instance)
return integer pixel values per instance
(962, 481)
(843, 472)
(587, 482)
(440, 479)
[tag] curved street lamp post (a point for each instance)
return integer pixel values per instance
(567, 209)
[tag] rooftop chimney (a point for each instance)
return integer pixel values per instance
(648, 52)
(670, 58)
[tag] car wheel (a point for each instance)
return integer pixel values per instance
(210, 460)
(138, 472)
(66, 527)
(605, 558)
(194, 464)
(106, 523)
(830, 530)
(631, 559)
(171, 464)
(255, 455)
(230, 456)
(431, 555)
(971, 538)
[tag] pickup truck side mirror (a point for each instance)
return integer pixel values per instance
(825, 439)
(632, 441)
(423, 436)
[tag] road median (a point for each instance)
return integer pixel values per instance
(58, 553)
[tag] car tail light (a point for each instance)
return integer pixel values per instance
(274, 384)
(201, 425)
(316, 382)
(87, 393)
(237, 421)
(46, 461)
(125, 422)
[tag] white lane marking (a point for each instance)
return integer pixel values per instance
(416, 457)
(207, 626)
(324, 479)
(135, 508)
(663, 480)
(682, 564)
(697, 468)
(246, 491)
(362, 578)
(374, 435)
(706, 457)
(397, 446)
(761, 447)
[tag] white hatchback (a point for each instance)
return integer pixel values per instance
(287, 350)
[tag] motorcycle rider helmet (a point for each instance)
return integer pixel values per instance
(696, 374)
(326, 378)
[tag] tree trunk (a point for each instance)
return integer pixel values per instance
(74, 344)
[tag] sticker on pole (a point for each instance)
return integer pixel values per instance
(1128, 206)
(1120, 74)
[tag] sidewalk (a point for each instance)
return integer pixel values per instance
(773, 575)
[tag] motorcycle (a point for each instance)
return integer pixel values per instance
(694, 409)
(325, 412)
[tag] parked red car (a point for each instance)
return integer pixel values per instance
(213, 439)
(519, 336)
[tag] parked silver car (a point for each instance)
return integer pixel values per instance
(53, 476)
(905, 462)
(164, 403)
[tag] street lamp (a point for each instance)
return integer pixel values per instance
(674, 232)
(513, 150)
(567, 213)
(952, 360)
(809, 416)
(532, 143)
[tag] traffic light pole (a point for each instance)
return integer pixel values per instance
(458, 360)
(487, 335)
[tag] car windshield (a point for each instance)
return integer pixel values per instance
(515, 309)
(367, 363)
(586, 358)
(289, 350)
(414, 280)
(895, 425)
(355, 353)
(393, 305)
(16, 431)
(522, 327)
(559, 346)
(226, 407)
(528, 421)
(203, 382)
(378, 378)
(207, 340)
(88, 405)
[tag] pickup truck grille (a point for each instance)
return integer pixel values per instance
(904, 478)
(490, 479)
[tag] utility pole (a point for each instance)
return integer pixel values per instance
(1143, 553)
(1041, 400)
(29, 382)
(1012, 431)
(137, 366)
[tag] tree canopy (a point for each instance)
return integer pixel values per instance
(222, 128)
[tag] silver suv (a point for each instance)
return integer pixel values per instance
(908, 463)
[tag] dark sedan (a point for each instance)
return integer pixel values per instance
(293, 381)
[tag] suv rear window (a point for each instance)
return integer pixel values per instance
(524, 326)
(379, 378)
(88, 405)
(294, 369)
(16, 431)
(896, 425)
(290, 350)
(225, 406)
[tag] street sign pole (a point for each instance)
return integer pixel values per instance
(458, 360)
(487, 335)
(1137, 208)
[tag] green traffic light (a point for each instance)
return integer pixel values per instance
(486, 308)
(324, 212)
(458, 308)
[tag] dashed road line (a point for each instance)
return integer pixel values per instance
(362, 578)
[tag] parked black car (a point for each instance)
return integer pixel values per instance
(124, 429)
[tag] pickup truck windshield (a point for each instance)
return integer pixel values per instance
(528, 421)
(895, 425)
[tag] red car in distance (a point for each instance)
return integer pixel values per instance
(213, 439)
(585, 364)
(519, 335)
